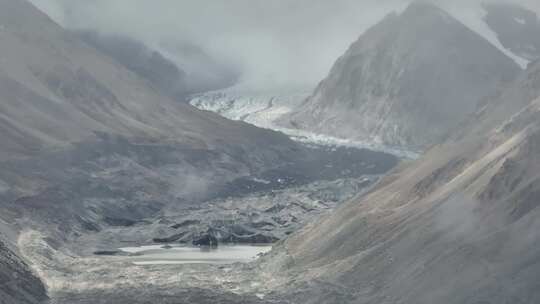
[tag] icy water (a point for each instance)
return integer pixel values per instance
(224, 254)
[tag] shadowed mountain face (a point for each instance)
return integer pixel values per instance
(148, 64)
(406, 82)
(517, 28)
(204, 73)
(460, 225)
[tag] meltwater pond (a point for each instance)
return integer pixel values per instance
(174, 255)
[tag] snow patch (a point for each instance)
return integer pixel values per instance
(261, 181)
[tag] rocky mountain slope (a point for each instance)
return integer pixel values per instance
(58, 90)
(59, 94)
(517, 28)
(406, 82)
(460, 225)
(88, 144)
(18, 285)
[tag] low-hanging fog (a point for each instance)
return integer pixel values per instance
(272, 43)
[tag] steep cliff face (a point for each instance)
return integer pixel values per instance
(406, 82)
(460, 225)
(70, 115)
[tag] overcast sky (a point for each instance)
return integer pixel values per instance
(274, 42)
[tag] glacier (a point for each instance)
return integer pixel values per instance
(263, 108)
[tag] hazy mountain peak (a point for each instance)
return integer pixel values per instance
(423, 6)
(407, 81)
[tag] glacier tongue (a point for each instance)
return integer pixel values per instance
(331, 141)
(264, 108)
(260, 108)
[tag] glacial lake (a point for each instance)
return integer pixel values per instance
(176, 255)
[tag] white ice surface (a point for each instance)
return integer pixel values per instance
(224, 254)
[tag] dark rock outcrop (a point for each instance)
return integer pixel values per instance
(206, 240)
(18, 285)
(258, 218)
(110, 253)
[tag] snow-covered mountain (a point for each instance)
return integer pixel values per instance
(406, 82)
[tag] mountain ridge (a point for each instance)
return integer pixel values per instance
(456, 226)
(406, 82)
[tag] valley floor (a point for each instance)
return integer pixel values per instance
(255, 210)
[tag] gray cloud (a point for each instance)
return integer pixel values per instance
(275, 43)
